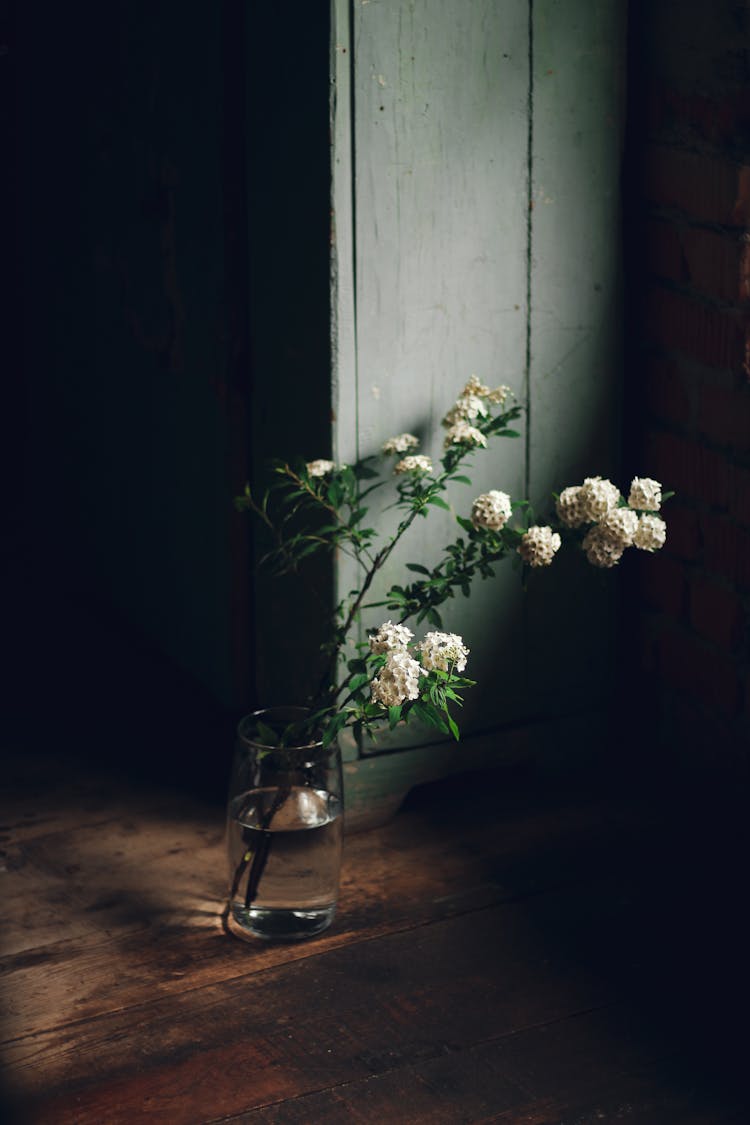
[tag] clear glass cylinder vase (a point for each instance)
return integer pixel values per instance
(284, 829)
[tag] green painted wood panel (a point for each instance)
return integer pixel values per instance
(438, 279)
(577, 109)
(476, 170)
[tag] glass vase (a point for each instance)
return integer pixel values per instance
(284, 829)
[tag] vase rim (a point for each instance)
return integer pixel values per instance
(274, 716)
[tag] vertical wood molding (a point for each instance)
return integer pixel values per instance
(343, 297)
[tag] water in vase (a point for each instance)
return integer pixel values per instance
(292, 866)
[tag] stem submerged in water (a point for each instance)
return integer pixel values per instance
(259, 858)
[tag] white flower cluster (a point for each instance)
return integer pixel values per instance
(320, 468)
(472, 404)
(588, 502)
(401, 443)
(390, 638)
(651, 533)
(602, 549)
(621, 525)
(645, 494)
(570, 508)
(615, 528)
(416, 463)
(398, 679)
(439, 650)
(491, 510)
(538, 546)
(476, 387)
(461, 433)
(467, 408)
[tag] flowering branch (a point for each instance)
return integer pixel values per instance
(318, 506)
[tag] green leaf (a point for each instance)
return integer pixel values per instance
(438, 502)
(461, 479)
(508, 433)
(333, 728)
(267, 735)
(429, 714)
(308, 549)
(358, 681)
(394, 716)
(417, 568)
(453, 727)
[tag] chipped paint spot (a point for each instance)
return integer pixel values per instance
(375, 392)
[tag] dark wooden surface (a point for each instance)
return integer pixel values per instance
(512, 947)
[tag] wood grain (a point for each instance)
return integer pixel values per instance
(489, 962)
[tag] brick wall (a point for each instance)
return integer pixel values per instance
(688, 385)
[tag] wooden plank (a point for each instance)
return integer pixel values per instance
(330, 1019)
(156, 884)
(610, 1058)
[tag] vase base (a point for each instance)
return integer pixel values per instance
(278, 925)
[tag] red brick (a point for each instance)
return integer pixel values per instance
(683, 537)
(726, 549)
(662, 583)
(716, 613)
(697, 670)
(744, 275)
(739, 494)
(703, 187)
(664, 250)
(716, 337)
(716, 119)
(668, 391)
(689, 468)
(724, 415)
(715, 264)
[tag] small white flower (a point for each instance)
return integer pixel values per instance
(645, 494)
(476, 387)
(416, 463)
(601, 548)
(401, 443)
(320, 468)
(498, 395)
(467, 408)
(597, 496)
(397, 681)
(390, 638)
(570, 509)
(538, 546)
(491, 510)
(439, 650)
(621, 525)
(463, 434)
(651, 533)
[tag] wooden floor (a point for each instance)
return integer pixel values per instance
(511, 948)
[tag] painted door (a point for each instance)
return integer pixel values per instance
(476, 230)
